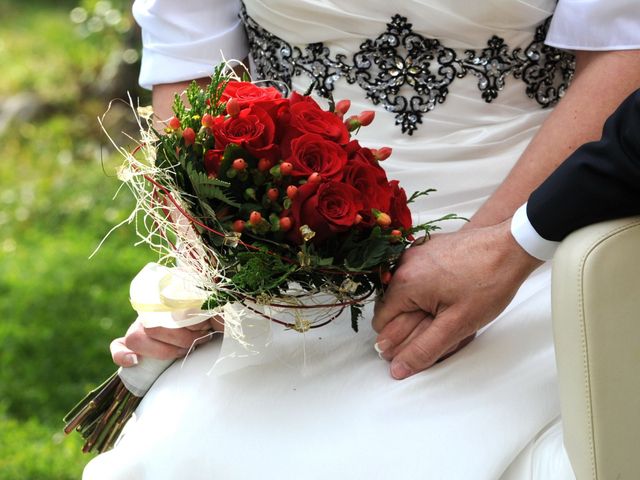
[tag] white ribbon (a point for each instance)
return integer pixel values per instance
(163, 297)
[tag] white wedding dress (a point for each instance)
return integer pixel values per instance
(322, 405)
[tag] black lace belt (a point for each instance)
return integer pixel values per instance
(410, 74)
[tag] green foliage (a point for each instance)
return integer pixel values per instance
(57, 179)
(209, 188)
(261, 272)
(33, 450)
(423, 193)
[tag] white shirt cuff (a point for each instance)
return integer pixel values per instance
(529, 239)
(595, 25)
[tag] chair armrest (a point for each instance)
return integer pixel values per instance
(596, 322)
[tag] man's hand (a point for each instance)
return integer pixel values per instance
(158, 342)
(444, 291)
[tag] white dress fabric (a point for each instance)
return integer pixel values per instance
(323, 405)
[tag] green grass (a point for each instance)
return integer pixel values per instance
(59, 309)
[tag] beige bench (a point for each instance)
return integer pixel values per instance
(596, 312)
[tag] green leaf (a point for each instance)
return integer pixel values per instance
(356, 314)
(209, 188)
(423, 193)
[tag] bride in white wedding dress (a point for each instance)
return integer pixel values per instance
(458, 112)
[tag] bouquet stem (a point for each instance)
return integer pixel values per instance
(102, 414)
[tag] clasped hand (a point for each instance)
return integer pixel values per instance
(444, 291)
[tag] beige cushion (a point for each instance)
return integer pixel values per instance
(596, 318)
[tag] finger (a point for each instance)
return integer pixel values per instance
(200, 327)
(121, 355)
(394, 302)
(139, 342)
(215, 323)
(179, 337)
(396, 331)
(456, 348)
(428, 344)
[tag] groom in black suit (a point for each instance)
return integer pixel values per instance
(599, 181)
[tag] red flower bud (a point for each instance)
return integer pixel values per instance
(314, 178)
(382, 153)
(352, 123)
(233, 107)
(285, 224)
(264, 164)
(385, 277)
(207, 120)
(343, 106)
(292, 191)
(239, 164)
(383, 219)
(286, 168)
(273, 194)
(238, 226)
(189, 136)
(366, 117)
(174, 123)
(255, 218)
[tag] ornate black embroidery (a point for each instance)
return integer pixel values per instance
(410, 74)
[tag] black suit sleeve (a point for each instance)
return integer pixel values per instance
(599, 181)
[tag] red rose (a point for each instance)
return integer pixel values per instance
(212, 160)
(399, 210)
(253, 129)
(247, 94)
(312, 153)
(305, 116)
(371, 180)
(327, 208)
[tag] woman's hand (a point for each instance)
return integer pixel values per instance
(159, 342)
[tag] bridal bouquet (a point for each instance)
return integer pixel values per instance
(255, 200)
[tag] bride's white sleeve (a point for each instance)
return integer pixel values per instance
(595, 25)
(185, 39)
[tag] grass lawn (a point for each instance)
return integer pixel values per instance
(59, 309)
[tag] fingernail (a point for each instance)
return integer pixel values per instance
(131, 358)
(400, 370)
(381, 346)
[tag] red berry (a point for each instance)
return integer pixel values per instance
(239, 164)
(366, 117)
(358, 219)
(189, 136)
(238, 226)
(273, 194)
(233, 107)
(264, 164)
(383, 219)
(396, 233)
(343, 106)
(292, 191)
(255, 218)
(314, 178)
(352, 123)
(385, 277)
(207, 120)
(285, 224)
(174, 123)
(382, 153)
(286, 168)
